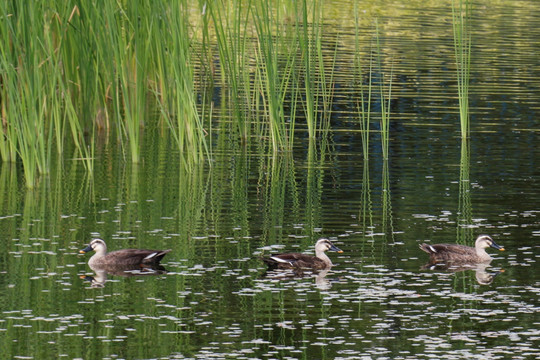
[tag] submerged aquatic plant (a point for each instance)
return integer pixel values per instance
(461, 18)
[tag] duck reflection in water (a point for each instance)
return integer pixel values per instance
(321, 280)
(102, 272)
(483, 277)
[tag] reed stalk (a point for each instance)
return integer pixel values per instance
(307, 50)
(230, 20)
(274, 69)
(177, 95)
(326, 73)
(318, 83)
(25, 78)
(65, 80)
(363, 103)
(122, 24)
(385, 100)
(461, 18)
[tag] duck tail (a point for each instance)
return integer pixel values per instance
(428, 248)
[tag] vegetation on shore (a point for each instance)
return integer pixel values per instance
(74, 74)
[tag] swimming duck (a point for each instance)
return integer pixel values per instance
(122, 257)
(297, 260)
(461, 253)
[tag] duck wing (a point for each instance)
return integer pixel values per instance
(449, 252)
(295, 260)
(136, 256)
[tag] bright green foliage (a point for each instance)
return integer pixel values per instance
(461, 18)
(76, 73)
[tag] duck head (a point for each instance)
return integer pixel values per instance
(96, 245)
(326, 245)
(484, 241)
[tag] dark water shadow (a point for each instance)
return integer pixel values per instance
(101, 273)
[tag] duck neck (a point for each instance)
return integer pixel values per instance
(322, 255)
(482, 254)
(101, 251)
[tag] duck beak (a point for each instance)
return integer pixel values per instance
(85, 250)
(336, 249)
(498, 247)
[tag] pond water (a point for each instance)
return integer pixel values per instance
(216, 300)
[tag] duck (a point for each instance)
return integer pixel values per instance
(124, 257)
(460, 253)
(297, 260)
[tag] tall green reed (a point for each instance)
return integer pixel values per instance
(275, 58)
(129, 56)
(384, 99)
(375, 74)
(461, 18)
(64, 78)
(363, 103)
(178, 95)
(80, 83)
(37, 107)
(230, 23)
(317, 72)
(66, 111)
(25, 102)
